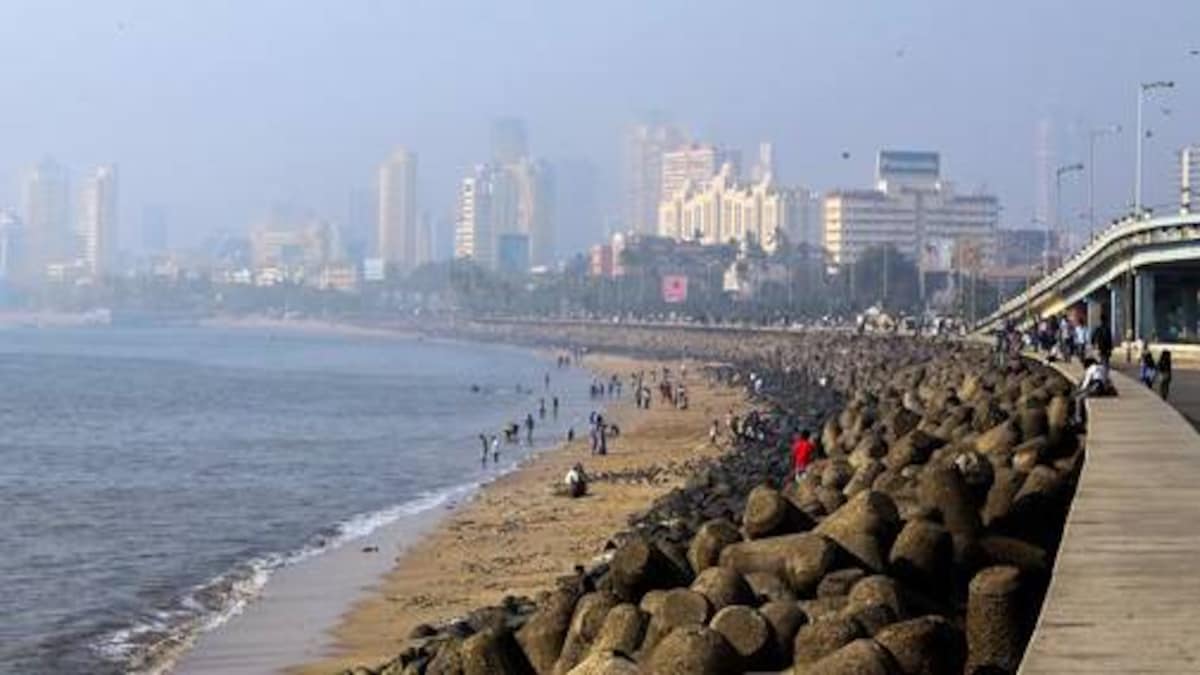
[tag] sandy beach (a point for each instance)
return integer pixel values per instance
(515, 537)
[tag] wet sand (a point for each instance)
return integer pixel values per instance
(516, 537)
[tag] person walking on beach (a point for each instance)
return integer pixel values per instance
(483, 439)
(555, 406)
(1164, 374)
(529, 428)
(714, 432)
(542, 408)
(546, 380)
(495, 450)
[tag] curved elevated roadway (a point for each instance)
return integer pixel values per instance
(1114, 275)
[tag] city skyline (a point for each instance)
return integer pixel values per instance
(243, 133)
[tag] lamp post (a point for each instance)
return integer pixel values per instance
(1092, 136)
(1137, 178)
(1058, 175)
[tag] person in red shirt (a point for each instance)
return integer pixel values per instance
(802, 452)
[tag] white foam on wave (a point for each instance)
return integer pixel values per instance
(154, 644)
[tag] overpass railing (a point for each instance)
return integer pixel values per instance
(1115, 240)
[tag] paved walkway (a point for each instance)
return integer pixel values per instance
(1185, 388)
(1125, 595)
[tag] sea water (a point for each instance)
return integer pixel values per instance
(151, 479)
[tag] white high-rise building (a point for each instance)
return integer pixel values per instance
(398, 239)
(643, 167)
(697, 163)
(473, 236)
(720, 210)
(97, 231)
(46, 205)
(509, 199)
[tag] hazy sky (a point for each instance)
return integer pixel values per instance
(219, 108)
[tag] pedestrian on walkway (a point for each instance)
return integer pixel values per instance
(1102, 340)
(1164, 374)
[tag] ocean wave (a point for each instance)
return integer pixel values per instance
(153, 644)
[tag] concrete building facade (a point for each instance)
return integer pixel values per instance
(696, 163)
(499, 200)
(97, 229)
(721, 209)
(398, 238)
(645, 145)
(46, 206)
(912, 209)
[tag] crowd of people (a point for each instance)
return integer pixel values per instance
(1062, 338)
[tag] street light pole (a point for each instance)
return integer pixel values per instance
(1092, 136)
(1137, 178)
(1058, 174)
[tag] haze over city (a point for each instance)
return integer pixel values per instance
(221, 111)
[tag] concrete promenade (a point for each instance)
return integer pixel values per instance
(1125, 594)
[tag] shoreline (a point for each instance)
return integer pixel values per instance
(469, 557)
(289, 619)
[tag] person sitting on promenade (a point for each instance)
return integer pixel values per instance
(1164, 374)
(1094, 382)
(1148, 371)
(802, 453)
(576, 481)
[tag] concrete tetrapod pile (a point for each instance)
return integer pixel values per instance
(921, 543)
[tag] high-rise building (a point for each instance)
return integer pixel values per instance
(98, 220)
(765, 164)
(12, 258)
(398, 223)
(642, 173)
(509, 141)
(424, 239)
(473, 218)
(535, 209)
(720, 210)
(698, 163)
(46, 204)
(912, 209)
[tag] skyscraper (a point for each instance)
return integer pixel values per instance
(12, 257)
(46, 205)
(510, 199)
(509, 141)
(698, 163)
(98, 220)
(424, 239)
(473, 224)
(535, 217)
(765, 164)
(642, 175)
(398, 210)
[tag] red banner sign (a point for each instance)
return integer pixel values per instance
(674, 288)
